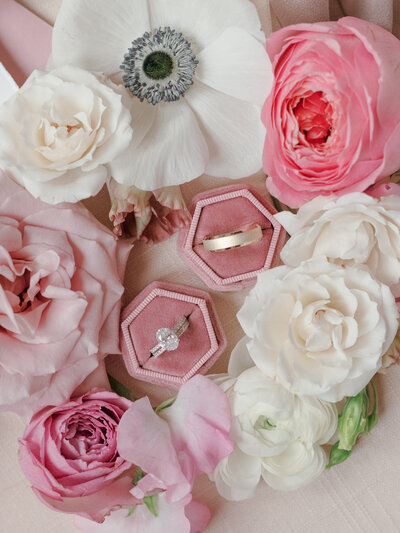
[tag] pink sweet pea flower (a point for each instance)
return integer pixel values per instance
(192, 518)
(188, 439)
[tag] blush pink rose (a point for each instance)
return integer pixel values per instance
(332, 119)
(69, 454)
(60, 292)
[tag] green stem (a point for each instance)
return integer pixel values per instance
(164, 405)
(342, 8)
(120, 389)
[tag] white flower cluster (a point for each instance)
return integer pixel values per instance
(317, 330)
(143, 93)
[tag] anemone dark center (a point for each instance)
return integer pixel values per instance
(158, 65)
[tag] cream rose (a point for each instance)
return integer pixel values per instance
(319, 329)
(352, 229)
(59, 131)
(277, 435)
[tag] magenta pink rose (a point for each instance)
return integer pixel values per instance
(69, 454)
(332, 119)
(60, 292)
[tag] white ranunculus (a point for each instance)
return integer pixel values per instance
(59, 131)
(352, 229)
(319, 329)
(209, 51)
(277, 435)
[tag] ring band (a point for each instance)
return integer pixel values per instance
(168, 339)
(235, 239)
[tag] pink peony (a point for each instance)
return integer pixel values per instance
(60, 292)
(332, 120)
(69, 454)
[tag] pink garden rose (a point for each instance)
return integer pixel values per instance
(69, 454)
(60, 292)
(332, 119)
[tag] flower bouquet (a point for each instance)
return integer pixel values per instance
(142, 104)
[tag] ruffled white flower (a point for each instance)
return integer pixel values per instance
(319, 329)
(59, 131)
(277, 435)
(211, 52)
(352, 229)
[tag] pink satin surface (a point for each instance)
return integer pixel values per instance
(359, 496)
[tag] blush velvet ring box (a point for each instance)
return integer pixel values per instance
(233, 237)
(179, 325)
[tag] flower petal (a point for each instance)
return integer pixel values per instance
(144, 439)
(202, 21)
(95, 34)
(200, 420)
(173, 151)
(237, 64)
(71, 187)
(233, 130)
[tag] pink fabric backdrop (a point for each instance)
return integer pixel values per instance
(358, 496)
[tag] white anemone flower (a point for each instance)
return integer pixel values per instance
(197, 72)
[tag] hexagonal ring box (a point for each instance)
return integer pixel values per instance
(222, 211)
(162, 305)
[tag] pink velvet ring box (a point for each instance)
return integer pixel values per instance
(162, 305)
(226, 210)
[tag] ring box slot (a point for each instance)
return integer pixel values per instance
(162, 305)
(226, 210)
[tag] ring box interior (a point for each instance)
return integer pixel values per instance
(226, 210)
(162, 305)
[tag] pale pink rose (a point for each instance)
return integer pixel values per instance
(188, 439)
(70, 456)
(60, 292)
(332, 117)
(192, 518)
(147, 216)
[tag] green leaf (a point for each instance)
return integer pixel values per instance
(151, 504)
(120, 389)
(337, 455)
(164, 405)
(130, 511)
(372, 419)
(277, 204)
(138, 476)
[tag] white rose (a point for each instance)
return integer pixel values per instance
(277, 435)
(319, 329)
(352, 229)
(59, 131)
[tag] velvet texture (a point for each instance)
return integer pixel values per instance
(225, 210)
(162, 305)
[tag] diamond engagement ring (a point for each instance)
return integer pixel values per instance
(168, 339)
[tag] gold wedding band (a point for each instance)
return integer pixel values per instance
(235, 239)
